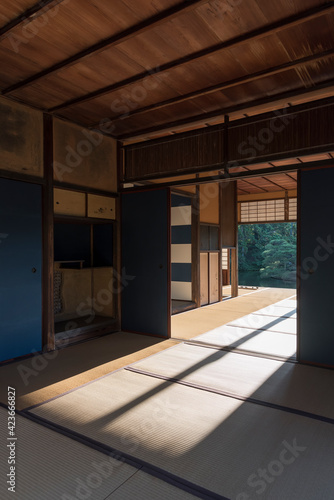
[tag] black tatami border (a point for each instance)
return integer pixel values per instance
(245, 399)
(137, 463)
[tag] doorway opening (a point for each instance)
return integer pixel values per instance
(267, 255)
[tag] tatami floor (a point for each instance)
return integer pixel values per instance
(191, 323)
(226, 412)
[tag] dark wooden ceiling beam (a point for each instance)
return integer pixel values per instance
(254, 35)
(243, 190)
(255, 185)
(202, 118)
(138, 29)
(29, 15)
(292, 178)
(281, 188)
(237, 175)
(229, 84)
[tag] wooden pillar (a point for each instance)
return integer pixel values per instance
(120, 165)
(195, 249)
(220, 256)
(117, 240)
(234, 272)
(229, 227)
(48, 335)
(286, 206)
(234, 253)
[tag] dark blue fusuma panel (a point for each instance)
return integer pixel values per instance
(145, 262)
(316, 261)
(20, 269)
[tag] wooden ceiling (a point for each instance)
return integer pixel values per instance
(252, 184)
(275, 182)
(152, 68)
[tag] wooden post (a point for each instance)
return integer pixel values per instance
(48, 335)
(118, 241)
(286, 206)
(234, 251)
(169, 264)
(220, 256)
(226, 143)
(234, 272)
(120, 165)
(228, 212)
(195, 249)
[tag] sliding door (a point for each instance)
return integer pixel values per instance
(316, 266)
(146, 262)
(20, 268)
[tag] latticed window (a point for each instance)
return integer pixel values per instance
(278, 210)
(293, 209)
(225, 257)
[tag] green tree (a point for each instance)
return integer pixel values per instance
(279, 260)
(253, 241)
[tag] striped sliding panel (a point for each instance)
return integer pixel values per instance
(181, 247)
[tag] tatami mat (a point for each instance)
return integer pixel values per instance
(213, 441)
(292, 385)
(195, 437)
(142, 486)
(278, 311)
(287, 303)
(268, 323)
(50, 466)
(44, 376)
(192, 323)
(251, 340)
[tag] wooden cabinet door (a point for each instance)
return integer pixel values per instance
(204, 278)
(214, 279)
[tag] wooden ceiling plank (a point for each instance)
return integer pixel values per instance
(230, 84)
(316, 157)
(294, 179)
(237, 175)
(29, 15)
(274, 183)
(242, 190)
(257, 34)
(139, 28)
(288, 161)
(281, 99)
(256, 186)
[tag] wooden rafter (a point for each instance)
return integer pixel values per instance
(274, 183)
(255, 185)
(236, 175)
(243, 190)
(252, 36)
(292, 178)
(123, 36)
(231, 83)
(29, 15)
(202, 118)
